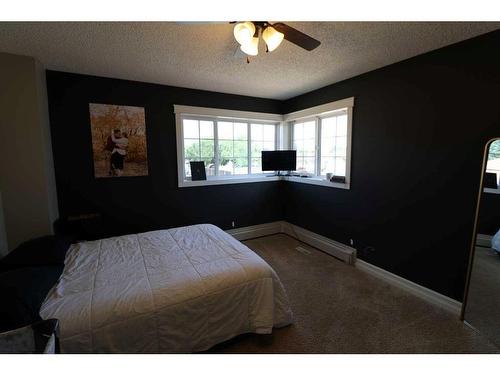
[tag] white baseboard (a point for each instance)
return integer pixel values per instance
(255, 231)
(334, 248)
(483, 240)
(429, 295)
(348, 255)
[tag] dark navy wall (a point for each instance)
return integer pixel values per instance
(419, 130)
(132, 204)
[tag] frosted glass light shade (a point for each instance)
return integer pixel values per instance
(251, 48)
(272, 37)
(243, 32)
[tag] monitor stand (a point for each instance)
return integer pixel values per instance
(278, 173)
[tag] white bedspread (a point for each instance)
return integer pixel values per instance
(178, 290)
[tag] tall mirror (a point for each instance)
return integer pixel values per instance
(482, 299)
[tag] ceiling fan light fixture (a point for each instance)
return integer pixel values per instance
(272, 37)
(252, 47)
(244, 32)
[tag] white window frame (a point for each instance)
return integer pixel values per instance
(215, 115)
(284, 139)
(317, 114)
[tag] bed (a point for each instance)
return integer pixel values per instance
(170, 291)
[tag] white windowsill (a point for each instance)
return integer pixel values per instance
(317, 181)
(491, 191)
(220, 180)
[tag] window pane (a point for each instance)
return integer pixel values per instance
(240, 149)
(298, 145)
(304, 142)
(341, 126)
(191, 148)
(226, 149)
(206, 130)
(269, 133)
(257, 132)
(309, 147)
(225, 167)
(256, 165)
(328, 127)
(187, 167)
(209, 166)
(240, 131)
(225, 130)
(340, 146)
(256, 149)
(233, 166)
(263, 139)
(339, 167)
(298, 131)
(268, 146)
(190, 128)
(240, 165)
(327, 165)
(334, 145)
(306, 164)
(232, 144)
(309, 164)
(327, 146)
(310, 130)
(207, 148)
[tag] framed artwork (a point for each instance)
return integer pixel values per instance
(119, 143)
(198, 171)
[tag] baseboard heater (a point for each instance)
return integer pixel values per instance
(331, 247)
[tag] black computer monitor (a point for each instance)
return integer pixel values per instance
(285, 160)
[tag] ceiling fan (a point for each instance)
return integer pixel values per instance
(247, 35)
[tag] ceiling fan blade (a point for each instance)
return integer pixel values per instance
(297, 37)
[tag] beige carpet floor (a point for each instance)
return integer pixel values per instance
(340, 309)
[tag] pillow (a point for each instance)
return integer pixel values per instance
(22, 292)
(42, 251)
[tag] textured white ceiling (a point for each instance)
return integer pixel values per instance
(206, 56)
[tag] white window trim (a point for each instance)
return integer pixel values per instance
(319, 110)
(226, 113)
(211, 114)
(284, 138)
(310, 115)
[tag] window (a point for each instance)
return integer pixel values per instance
(229, 147)
(199, 144)
(224, 145)
(230, 143)
(263, 138)
(334, 145)
(321, 144)
(322, 138)
(304, 136)
(233, 148)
